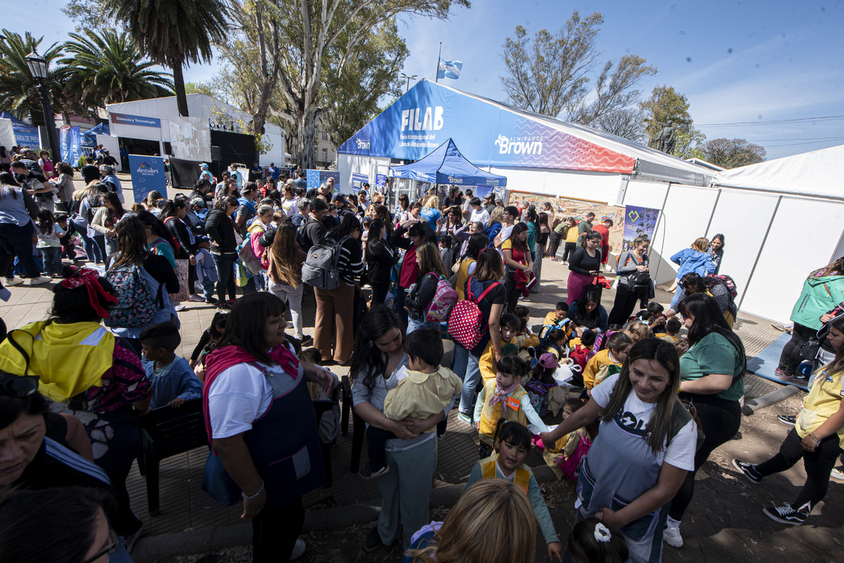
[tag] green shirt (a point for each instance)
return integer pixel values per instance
(714, 354)
(583, 227)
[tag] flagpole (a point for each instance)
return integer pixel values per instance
(439, 57)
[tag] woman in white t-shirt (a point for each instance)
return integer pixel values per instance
(645, 447)
(262, 424)
(289, 203)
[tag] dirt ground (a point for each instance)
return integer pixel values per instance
(724, 522)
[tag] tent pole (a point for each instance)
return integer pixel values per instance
(439, 56)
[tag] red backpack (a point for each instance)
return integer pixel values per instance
(466, 322)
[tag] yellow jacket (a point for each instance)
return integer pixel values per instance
(487, 359)
(602, 358)
(419, 395)
(462, 277)
(490, 414)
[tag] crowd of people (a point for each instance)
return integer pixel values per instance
(642, 405)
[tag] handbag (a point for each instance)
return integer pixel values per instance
(218, 483)
(809, 350)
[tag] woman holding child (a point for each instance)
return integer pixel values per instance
(378, 358)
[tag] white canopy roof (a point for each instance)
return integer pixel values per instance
(815, 174)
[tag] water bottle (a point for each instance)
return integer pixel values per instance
(806, 368)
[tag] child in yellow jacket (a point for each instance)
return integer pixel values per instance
(618, 346)
(510, 326)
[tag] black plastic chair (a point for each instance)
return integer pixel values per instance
(169, 431)
(358, 425)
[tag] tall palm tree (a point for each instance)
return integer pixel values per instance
(108, 68)
(173, 33)
(19, 91)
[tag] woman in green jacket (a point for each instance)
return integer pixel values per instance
(822, 291)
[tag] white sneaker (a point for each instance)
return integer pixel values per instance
(12, 281)
(672, 537)
(298, 550)
(179, 306)
(196, 298)
(837, 474)
(39, 280)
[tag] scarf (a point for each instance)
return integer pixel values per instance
(500, 396)
(246, 203)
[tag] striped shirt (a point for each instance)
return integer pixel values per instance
(351, 261)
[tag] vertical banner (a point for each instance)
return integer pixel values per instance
(380, 182)
(74, 144)
(638, 221)
(315, 178)
(64, 144)
(147, 175)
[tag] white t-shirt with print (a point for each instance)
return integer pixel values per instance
(680, 452)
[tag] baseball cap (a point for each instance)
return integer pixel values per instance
(549, 361)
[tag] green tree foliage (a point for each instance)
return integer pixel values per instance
(732, 153)
(108, 68)
(89, 14)
(173, 33)
(550, 74)
(665, 105)
(20, 93)
(200, 88)
(298, 44)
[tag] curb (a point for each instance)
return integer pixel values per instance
(167, 546)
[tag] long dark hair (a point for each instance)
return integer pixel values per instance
(151, 221)
(12, 408)
(347, 226)
(477, 242)
(838, 363)
(131, 242)
(588, 297)
(114, 200)
(518, 229)
(367, 359)
(665, 354)
(45, 222)
(708, 318)
(73, 305)
(247, 323)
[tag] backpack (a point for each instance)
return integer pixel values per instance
(247, 255)
(440, 306)
(321, 268)
(466, 322)
(605, 371)
(136, 306)
(571, 466)
(420, 294)
(721, 278)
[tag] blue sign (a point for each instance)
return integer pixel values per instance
(358, 181)
(488, 134)
(70, 144)
(25, 135)
(147, 175)
(125, 119)
(380, 182)
(315, 178)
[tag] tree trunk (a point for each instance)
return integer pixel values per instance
(305, 135)
(179, 87)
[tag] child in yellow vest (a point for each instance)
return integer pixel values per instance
(503, 398)
(618, 346)
(672, 327)
(557, 319)
(555, 343)
(512, 443)
(510, 325)
(561, 452)
(817, 437)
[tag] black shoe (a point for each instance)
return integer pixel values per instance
(787, 419)
(786, 514)
(211, 300)
(749, 470)
(306, 340)
(372, 541)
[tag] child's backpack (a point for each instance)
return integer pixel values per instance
(466, 322)
(440, 306)
(247, 255)
(721, 278)
(321, 267)
(571, 466)
(605, 371)
(581, 354)
(136, 306)
(538, 394)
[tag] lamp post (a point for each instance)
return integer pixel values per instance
(38, 68)
(409, 78)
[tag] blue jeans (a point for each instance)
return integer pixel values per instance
(18, 241)
(467, 367)
(92, 250)
(207, 288)
(52, 260)
(679, 295)
(414, 324)
(99, 242)
(225, 272)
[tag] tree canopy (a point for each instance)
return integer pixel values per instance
(667, 106)
(732, 153)
(19, 91)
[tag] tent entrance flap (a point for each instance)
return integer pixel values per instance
(445, 165)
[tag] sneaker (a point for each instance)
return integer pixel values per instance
(196, 298)
(467, 418)
(298, 550)
(779, 372)
(372, 541)
(672, 537)
(306, 340)
(12, 281)
(793, 379)
(786, 514)
(367, 472)
(132, 538)
(749, 470)
(837, 474)
(211, 300)
(40, 280)
(787, 419)
(179, 306)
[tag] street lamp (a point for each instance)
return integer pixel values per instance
(38, 68)
(409, 78)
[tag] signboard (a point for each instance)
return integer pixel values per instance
(315, 178)
(638, 221)
(380, 182)
(487, 134)
(147, 175)
(70, 144)
(358, 180)
(139, 120)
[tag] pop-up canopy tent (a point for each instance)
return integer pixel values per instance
(89, 137)
(445, 165)
(24, 135)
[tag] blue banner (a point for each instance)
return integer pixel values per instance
(315, 178)
(74, 144)
(140, 120)
(64, 144)
(487, 133)
(147, 175)
(380, 182)
(25, 135)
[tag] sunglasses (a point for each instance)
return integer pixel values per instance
(19, 386)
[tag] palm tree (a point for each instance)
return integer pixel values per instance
(173, 33)
(19, 91)
(108, 68)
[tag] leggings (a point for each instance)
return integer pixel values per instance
(818, 464)
(569, 250)
(622, 307)
(720, 420)
(555, 239)
(225, 276)
(790, 357)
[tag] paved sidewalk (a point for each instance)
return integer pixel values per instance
(185, 507)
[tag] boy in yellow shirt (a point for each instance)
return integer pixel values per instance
(557, 319)
(672, 327)
(425, 388)
(510, 326)
(618, 346)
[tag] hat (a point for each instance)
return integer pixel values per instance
(549, 361)
(201, 239)
(203, 166)
(489, 196)
(341, 198)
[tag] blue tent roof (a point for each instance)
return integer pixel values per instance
(445, 165)
(89, 137)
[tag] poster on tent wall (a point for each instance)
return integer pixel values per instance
(638, 221)
(70, 144)
(358, 180)
(578, 208)
(380, 182)
(147, 175)
(315, 178)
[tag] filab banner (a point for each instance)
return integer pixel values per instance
(147, 175)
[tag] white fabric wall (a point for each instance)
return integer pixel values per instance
(275, 154)
(190, 138)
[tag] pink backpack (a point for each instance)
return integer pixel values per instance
(572, 464)
(440, 305)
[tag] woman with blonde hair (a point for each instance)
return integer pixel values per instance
(493, 226)
(431, 211)
(285, 273)
(491, 523)
(695, 259)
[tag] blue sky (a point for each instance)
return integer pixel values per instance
(761, 64)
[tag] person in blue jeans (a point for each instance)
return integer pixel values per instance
(695, 259)
(17, 211)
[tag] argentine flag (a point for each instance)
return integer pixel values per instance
(449, 69)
